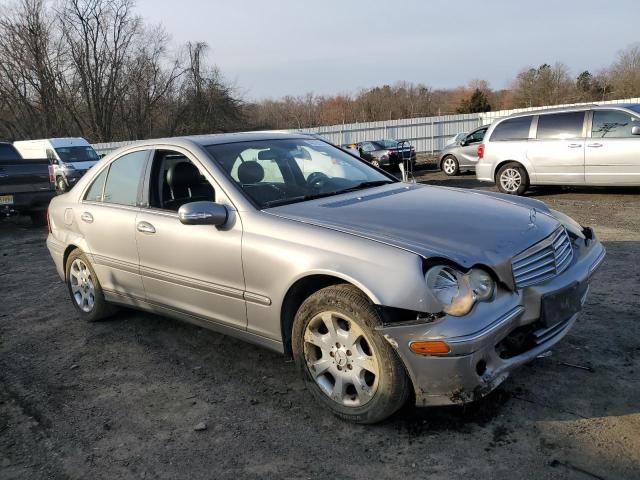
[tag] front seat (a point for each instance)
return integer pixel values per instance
(185, 185)
(250, 176)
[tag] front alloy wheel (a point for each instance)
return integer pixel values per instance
(450, 166)
(340, 359)
(345, 362)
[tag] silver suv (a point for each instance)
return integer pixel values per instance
(378, 292)
(586, 145)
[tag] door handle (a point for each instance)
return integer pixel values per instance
(146, 227)
(594, 145)
(575, 145)
(86, 217)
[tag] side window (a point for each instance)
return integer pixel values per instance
(175, 181)
(124, 177)
(512, 129)
(613, 124)
(476, 137)
(560, 126)
(94, 194)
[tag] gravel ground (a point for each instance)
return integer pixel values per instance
(122, 398)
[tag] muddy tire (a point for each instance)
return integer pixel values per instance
(345, 363)
(84, 288)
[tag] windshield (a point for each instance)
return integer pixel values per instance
(635, 108)
(277, 172)
(387, 143)
(77, 154)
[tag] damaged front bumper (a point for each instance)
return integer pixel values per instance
(512, 333)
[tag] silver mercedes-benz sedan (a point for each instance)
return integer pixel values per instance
(380, 290)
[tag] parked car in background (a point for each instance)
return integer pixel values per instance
(380, 290)
(462, 155)
(70, 157)
(456, 138)
(352, 148)
(586, 145)
(26, 186)
(385, 153)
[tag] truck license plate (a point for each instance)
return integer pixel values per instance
(6, 199)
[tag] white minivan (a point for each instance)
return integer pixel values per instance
(583, 145)
(71, 157)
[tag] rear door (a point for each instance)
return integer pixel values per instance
(557, 152)
(613, 153)
(107, 220)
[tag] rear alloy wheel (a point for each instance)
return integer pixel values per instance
(375, 163)
(345, 362)
(84, 288)
(450, 166)
(512, 178)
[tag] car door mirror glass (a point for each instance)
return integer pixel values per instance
(203, 213)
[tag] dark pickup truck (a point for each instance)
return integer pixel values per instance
(26, 186)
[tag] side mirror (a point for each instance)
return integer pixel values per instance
(203, 213)
(635, 130)
(463, 142)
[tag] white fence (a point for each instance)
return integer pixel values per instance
(426, 134)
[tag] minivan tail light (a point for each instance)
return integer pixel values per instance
(481, 151)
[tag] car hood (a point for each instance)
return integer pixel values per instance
(86, 165)
(468, 227)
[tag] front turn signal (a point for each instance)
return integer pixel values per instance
(430, 347)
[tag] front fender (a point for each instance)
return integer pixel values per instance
(277, 252)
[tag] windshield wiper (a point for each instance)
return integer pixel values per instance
(313, 196)
(369, 184)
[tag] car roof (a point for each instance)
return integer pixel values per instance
(222, 138)
(574, 108)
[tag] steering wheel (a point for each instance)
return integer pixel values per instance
(317, 179)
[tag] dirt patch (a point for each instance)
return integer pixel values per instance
(126, 398)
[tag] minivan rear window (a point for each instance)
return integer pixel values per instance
(560, 126)
(512, 129)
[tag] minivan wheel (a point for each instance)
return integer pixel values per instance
(512, 178)
(345, 363)
(61, 185)
(450, 166)
(84, 288)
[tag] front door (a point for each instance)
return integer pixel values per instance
(194, 269)
(106, 219)
(557, 152)
(613, 152)
(468, 153)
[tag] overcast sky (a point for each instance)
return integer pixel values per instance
(285, 47)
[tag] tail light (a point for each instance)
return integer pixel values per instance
(48, 221)
(481, 151)
(52, 176)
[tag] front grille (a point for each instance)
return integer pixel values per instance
(544, 260)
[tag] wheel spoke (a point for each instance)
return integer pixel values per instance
(361, 389)
(329, 322)
(338, 388)
(320, 367)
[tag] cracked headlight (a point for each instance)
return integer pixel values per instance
(457, 291)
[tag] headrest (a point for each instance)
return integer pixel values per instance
(250, 172)
(184, 174)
